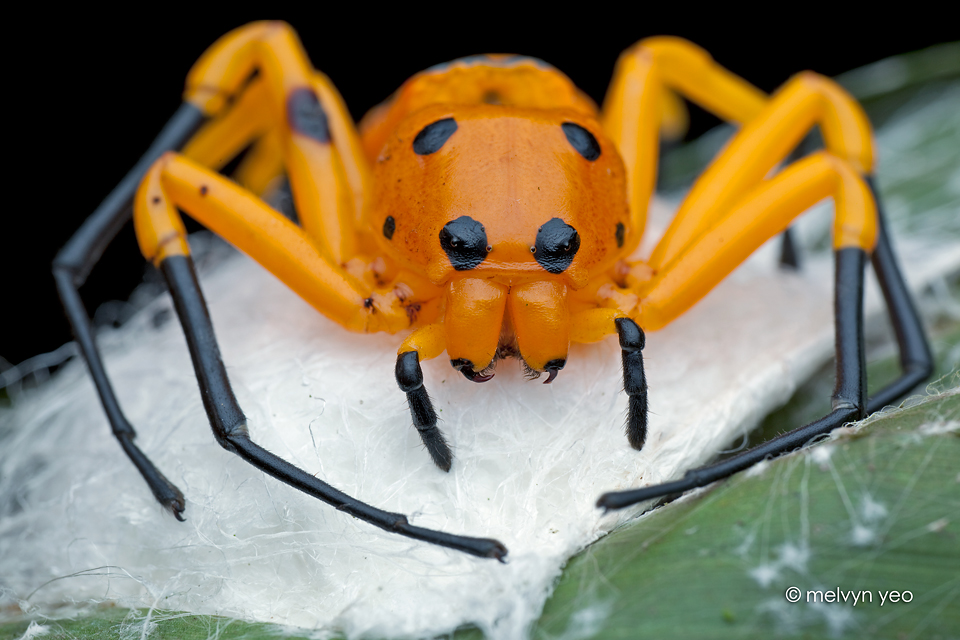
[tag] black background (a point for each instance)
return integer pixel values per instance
(89, 93)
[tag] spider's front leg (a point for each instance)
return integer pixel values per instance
(284, 249)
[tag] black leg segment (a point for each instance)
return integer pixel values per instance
(74, 262)
(849, 399)
(632, 342)
(410, 378)
(849, 396)
(916, 361)
(229, 424)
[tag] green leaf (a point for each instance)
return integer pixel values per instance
(874, 511)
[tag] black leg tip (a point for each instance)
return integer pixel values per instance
(175, 505)
(637, 421)
(606, 503)
(622, 499)
(437, 447)
(497, 551)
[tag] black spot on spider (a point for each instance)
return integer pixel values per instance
(557, 244)
(156, 199)
(306, 116)
(581, 140)
(389, 226)
(464, 240)
(433, 136)
(368, 304)
(620, 231)
(203, 190)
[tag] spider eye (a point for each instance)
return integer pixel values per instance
(464, 240)
(433, 136)
(557, 244)
(581, 140)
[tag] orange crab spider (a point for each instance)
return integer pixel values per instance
(490, 207)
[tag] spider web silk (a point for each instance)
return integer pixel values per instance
(80, 526)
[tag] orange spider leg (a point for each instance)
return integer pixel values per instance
(237, 215)
(259, 231)
(641, 101)
(593, 325)
(765, 211)
(761, 214)
(250, 117)
(225, 135)
(300, 102)
(806, 100)
(246, 121)
(346, 140)
(429, 342)
(262, 164)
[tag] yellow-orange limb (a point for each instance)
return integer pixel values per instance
(427, 341)
(472, 320)
(346, 140)
(259, 231)
(593, 325)
(249, 117)
(541, 319)
(764, 212)
(806, 100)
(325, 193)
(262, 165)
(641, 101)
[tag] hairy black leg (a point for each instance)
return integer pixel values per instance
(849, 396)
(634, 382)
(230, 428)
(74, 262)
(410, 378)
(916, 361)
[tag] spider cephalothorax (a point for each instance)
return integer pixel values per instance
(493, 209)
(512, 212)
